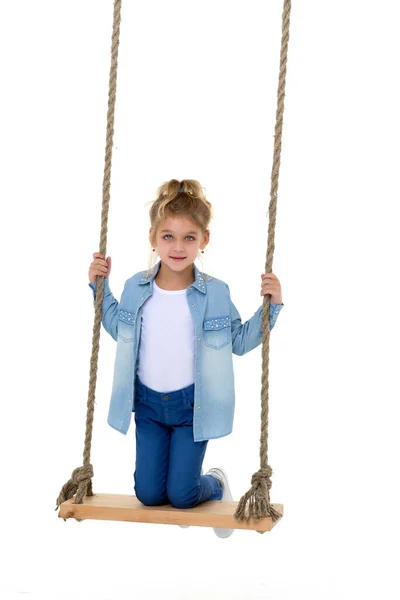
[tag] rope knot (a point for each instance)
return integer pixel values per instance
(262, 478)
(255, 503)
(81, 474)
(79, 484)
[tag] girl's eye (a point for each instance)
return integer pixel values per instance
(169, 235)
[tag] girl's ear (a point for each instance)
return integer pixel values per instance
(150, 237)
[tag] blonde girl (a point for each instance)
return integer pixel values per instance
(176, 330)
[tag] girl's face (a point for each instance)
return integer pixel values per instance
(179, 237)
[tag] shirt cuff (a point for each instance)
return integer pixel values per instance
(276, 306)
(93, 286)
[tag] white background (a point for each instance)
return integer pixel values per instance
(196, 98)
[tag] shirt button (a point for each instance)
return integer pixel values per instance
(193, 305)
(165, 397)
(197, 406)
(198, 339)
(198, 372)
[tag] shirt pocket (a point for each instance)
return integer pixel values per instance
(217, 331)
(126, 325)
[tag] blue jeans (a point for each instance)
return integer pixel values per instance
(168, 460)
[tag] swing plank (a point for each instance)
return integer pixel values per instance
(120, 507)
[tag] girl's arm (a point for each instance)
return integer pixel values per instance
(247, 336)
(109, 309)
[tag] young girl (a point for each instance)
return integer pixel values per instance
(176, 329)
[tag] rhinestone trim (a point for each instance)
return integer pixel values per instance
(217, 323)
(199, 281)
(127, 317)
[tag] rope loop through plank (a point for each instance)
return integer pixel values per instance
(257, 499)
(85, 473)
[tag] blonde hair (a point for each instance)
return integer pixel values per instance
(190, 203)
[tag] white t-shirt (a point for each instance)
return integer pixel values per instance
(167, 343)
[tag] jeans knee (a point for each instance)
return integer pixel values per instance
(179, 500)
(180, 503)
(150, 497)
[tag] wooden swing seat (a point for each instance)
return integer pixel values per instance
(120, 507)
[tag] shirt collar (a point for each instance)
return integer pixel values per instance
(198, 282)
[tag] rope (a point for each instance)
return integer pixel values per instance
(257, 499)
(80, 483)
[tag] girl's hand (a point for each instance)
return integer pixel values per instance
(270, 285)
(99, 266)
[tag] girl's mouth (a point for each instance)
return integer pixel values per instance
(178, 258)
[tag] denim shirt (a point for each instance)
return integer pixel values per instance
(219, 333)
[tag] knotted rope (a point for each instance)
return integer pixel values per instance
(80, 482)
(257, 499)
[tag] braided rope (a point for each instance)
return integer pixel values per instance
(80, 483)
(257, 499)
